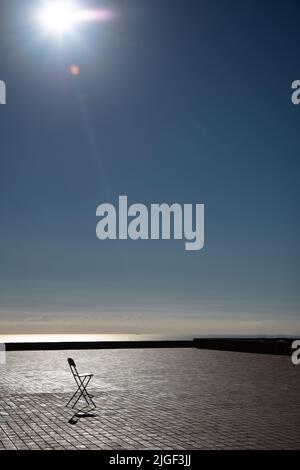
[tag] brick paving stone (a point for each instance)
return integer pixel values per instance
(152, 399)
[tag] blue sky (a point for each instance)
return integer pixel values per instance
(177, 101)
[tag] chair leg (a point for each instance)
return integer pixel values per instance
(82, 391)
(71, 398)
(87, 396)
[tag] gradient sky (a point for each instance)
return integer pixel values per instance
(177, 101)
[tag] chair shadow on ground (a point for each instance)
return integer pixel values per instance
(80, 415)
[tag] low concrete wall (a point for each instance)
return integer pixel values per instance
(258, 346)
(98, 345)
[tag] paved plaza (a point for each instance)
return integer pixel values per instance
(152, 399)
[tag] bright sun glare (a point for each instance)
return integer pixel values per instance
(59, 17)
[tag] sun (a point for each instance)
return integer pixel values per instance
(58, 17)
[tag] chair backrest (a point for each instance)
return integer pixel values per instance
(72, 366)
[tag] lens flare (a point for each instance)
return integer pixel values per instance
(99, 14)
(75, 70)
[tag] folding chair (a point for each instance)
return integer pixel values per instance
(82, 381)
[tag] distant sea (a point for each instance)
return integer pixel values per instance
(44, 338)
(58, 338)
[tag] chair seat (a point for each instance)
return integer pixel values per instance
(86, 375)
